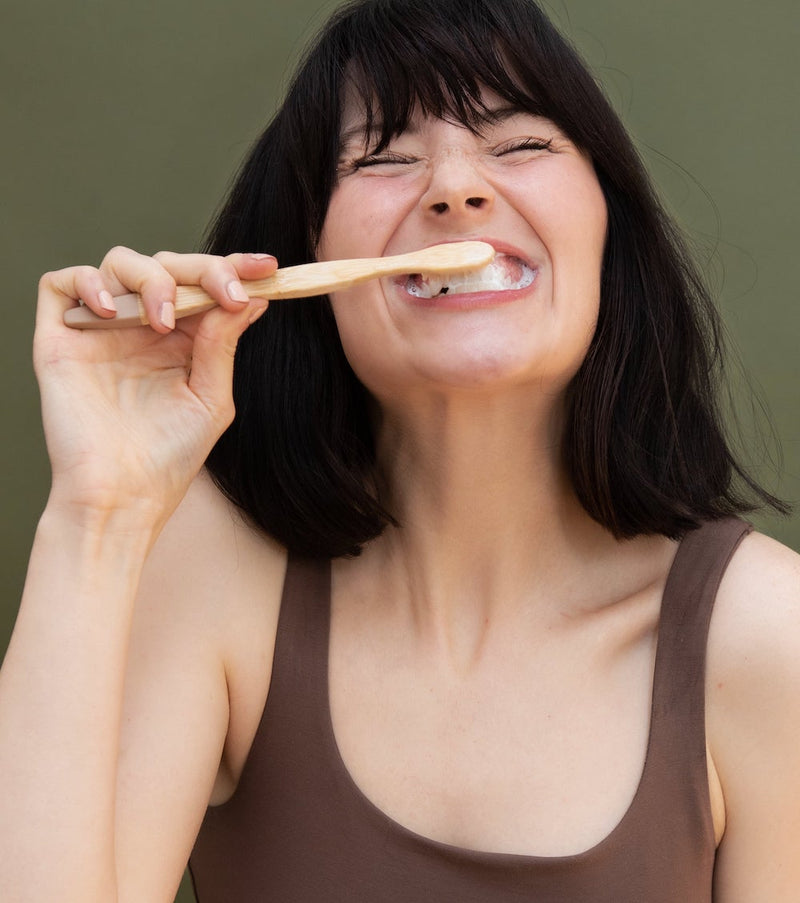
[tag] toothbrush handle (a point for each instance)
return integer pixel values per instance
(303, 281)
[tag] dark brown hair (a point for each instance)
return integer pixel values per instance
(644, 441)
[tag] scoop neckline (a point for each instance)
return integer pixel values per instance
(390, 826)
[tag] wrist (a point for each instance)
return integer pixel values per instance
(135, 522)
(87, 560)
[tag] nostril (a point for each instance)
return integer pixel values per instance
(444, 207)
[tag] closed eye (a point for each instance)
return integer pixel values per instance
(523, 144)
(381, 159)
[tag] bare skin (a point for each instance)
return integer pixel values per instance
(140, 663)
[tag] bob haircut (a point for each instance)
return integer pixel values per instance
(643, 441)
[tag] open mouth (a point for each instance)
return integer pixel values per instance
(504, 274)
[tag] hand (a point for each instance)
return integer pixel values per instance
(130, 415)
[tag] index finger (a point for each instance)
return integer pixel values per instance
(219, 277)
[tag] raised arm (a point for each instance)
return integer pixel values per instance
(129, 418)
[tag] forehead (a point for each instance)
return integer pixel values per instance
(380, 69)
(362, 121)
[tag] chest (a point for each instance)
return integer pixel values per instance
(539, 750)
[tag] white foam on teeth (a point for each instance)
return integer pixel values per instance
(492, 278)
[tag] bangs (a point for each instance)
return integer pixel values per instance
(436, 58)
(416, 57)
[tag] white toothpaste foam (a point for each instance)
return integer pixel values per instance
(503, 274)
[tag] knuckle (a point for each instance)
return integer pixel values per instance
(216, 273)
(85, 273)
(117, 251)
(160, 268)
(161, 281)
(47, 279)
(218, 264)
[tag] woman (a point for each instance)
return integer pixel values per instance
(522, 489)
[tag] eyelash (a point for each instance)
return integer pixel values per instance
(377, 159)
(525, 144)
(531, 144)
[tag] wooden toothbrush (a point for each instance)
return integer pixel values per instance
(302, 281)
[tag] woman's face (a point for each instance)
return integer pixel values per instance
(520, 185)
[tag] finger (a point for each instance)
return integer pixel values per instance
(219, 277)
(253, 266)
(216, 335)
(127, 270)
(61, 289)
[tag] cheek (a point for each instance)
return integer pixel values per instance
(365, 340)
(568, 211)
(596, 219)
(357, 223)
(579, 223)
(591, 201)
(574, 234)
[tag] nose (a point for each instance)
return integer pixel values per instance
(457, 187)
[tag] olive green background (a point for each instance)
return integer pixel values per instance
(122, 123)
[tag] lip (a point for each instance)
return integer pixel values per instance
(472, 300)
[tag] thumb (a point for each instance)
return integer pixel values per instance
(214, 348)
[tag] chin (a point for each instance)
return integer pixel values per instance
(482, 373)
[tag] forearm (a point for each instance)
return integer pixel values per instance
(60, 707)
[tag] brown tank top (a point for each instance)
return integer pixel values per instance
(298, 829)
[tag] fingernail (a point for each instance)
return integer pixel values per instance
(262, 257)
(106, 300)
(256, 314)
(166, 315)
(236, 292)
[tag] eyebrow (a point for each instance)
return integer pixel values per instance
(360, 131)
(501, 113)
(492, 115)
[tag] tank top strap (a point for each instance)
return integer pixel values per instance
(291, 718)
(686, 608)
(300, 661)
(675, 779)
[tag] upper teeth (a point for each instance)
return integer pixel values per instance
(503, 274)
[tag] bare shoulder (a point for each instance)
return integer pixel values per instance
(210, 593)
(757, 611)
(209, 539)
(753, 718)
(754, 643)
(211, 579)
(213, 585)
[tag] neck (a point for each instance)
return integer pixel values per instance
(483, 502)
(461, 468)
